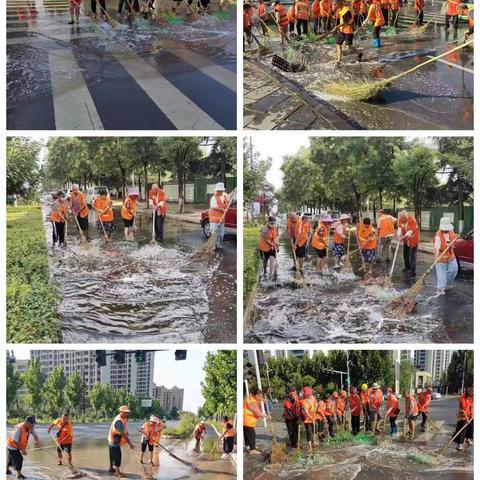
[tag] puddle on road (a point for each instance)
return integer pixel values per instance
(90, 457)
(131, 290)
(339, 309)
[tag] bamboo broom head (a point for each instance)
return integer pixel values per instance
(206, 252)
(279, 455)
(363, 90)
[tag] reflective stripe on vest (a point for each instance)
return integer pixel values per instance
(215, 215)
(111, 433)
(272, 236)
(449, 254)
(24, 435)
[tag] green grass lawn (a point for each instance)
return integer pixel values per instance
(251, 259)
(31, 298)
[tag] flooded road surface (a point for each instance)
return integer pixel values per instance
(90, 457)
(338, 309)
(132, 291)
(394, 459)
(130, 74)
(438, 96)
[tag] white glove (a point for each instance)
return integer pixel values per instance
(409, 234)
(160, 204)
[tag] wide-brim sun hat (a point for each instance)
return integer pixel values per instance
(133, 191)
(344, 216)
(220, 187)
(445, 224)
(375, 385)
(124, 409)
(326, 219)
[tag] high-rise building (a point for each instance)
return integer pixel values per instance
(133, 377)
(169, 397)
(435, 362)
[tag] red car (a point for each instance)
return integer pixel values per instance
(464, 251)
(230, 221)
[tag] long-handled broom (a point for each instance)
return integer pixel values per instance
(181, 460)
(387, 282)
(215, 446)
(207, 251)
(441, 450)
(109, 19)
(346, 263)
(70, 466)
(366, 90)
(83, 240)
(405, 303)
(423, 28)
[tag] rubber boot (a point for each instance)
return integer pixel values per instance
(376, 43)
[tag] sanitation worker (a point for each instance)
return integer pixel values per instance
(320, 241)
(252, 411)
(228, 436)
(375, 400)
(386, 231)
(452, 14)
(158, 203)
(17, 443)
(408, 233)
(64, 436)
(411, 412)
(308, 408)
(128, 212)
(199, 433)
(79, 208)
(301, 16)
(447, 267)
(392, 411)
(302, 232)
(355, 410)
(281, 19)
(375, 15)
(465, 419)
(367, 241)
(268, 245)
(339, 237)
(58, 217)
(150, 437)
(423, 401)
(103, 205)
(418, 6)
(118, 437)
(345, 30)
(218, 206)
(291, 415)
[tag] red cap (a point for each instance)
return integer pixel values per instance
(307, 391)
(335, 394)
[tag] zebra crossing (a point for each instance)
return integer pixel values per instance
(90, 76)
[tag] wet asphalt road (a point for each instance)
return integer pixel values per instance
(438, 96)
(90, 456)
(338, 308)
(388, 459)
(143, 293)
(136, 76)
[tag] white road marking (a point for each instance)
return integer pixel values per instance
(453, 64)
(61, 38)
(73, 104)
(178, 108)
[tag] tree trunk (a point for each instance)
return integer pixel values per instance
(145, 181)
(180, 188)
(461, 208)
(140, 188)
(223, 172)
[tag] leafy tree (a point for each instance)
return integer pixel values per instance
(54, 391)
(222, 157)
(460, 368)
(34, 380)
(407, 375)
(22, 166)
(75, 392)
(174, 413)
(220, 385)
(97, 397)
(14, 382)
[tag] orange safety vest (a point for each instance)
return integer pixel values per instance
(364, 397)
(309, 408)
(408, 410)
(374, 401)
(320, 413)
(409, 223)
(59, 211)
(158, 196)
(301, 10)
(320, 237)
(470, 19)
(215, 214)
(248, 18)
(65, 430)
(102, 203)
(78, 205)
(355, 6)
(262, 11)
(385, 226)
(113, 431)
(24, 435)
(250, 417)
(375, 14)
(336, 237)
(291, 408)
(316, 9)
(450, 253)
(303, 230)
(280, 9)
(291, 19)
(355, 405)
(272, 236)
(452, 7)
(424, 400)
(363, 7)
(395, 5)
(325, 8)
(340, 406)
(465, 405)
(228, 430)
(330, 408)
(129, 208)
(346, 24)
(151, 432)
(392, 405)
(419, 4)
(367, 242)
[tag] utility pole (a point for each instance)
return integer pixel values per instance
(251, 168)
(348, 376)
(463, 373)
(259, 384)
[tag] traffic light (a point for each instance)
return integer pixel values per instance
(119, 356)
(101, 357)
(180, 354)
(140, 356)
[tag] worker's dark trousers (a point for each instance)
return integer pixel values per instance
(302, 27)
(309, 430)
(249, 437)
(393, 425)
(127, 3)
(394, 18)
(376, 32)
(466, 433)
(419, 20)
(326, 24)
(292, 429)
(366, 419)
(410, 257)
(331, 425)
(385, 15)
(319, 428)
(455, 21)
(228, 444)
(316, 25)
(58, 233)
(93, 6)
(424, 419)
(355, 424)
(159, 223)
